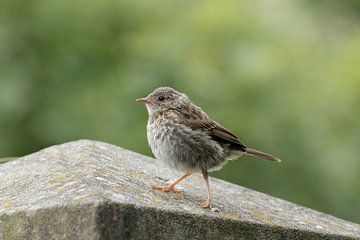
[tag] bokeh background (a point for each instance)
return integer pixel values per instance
(283, 75)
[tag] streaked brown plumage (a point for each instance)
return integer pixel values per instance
(182, 135)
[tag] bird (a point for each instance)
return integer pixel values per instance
(183, 136)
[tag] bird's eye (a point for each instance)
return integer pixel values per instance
(161, 98)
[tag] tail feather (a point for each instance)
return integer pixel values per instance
(257, 153)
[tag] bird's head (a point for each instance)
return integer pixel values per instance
(163, 98)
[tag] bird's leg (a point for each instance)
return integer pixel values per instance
(207, 204)
(170, 187)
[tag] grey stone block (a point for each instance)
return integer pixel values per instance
(94, 190)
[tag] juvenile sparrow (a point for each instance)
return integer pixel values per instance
(182, 135)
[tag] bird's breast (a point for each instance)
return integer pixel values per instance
(183, 148)
(162, 140)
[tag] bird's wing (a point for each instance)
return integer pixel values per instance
(217, 132)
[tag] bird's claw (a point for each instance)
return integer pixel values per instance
(166, 188)
(206, 205)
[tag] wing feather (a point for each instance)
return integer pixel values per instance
(217, 132)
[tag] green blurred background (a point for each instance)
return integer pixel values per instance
(283, 75)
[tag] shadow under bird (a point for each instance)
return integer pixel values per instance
(182, 135)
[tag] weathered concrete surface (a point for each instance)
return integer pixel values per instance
(93, 190)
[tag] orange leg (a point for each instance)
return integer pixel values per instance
(170, 187)
(207, 204)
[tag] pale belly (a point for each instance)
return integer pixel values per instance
(184, 149)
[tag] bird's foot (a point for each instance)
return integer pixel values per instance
(206, 205)
(166, 188)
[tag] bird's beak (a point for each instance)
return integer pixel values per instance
(144, 100)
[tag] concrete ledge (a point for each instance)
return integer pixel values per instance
(94, 190)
